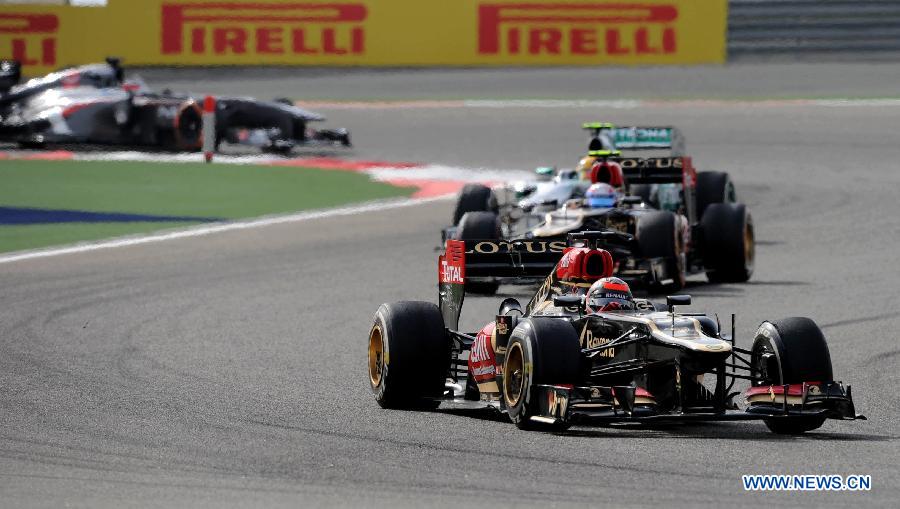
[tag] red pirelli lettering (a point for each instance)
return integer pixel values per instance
(577, 29)
(264, 28)
(24, 23)
(22, 46)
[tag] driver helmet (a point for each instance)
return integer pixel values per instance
(584, 167)
(601, 195)
(609, 294)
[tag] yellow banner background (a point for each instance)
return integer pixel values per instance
(367, 33)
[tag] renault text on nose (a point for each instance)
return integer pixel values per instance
(577, 29)
(28, 38)
(263, 29)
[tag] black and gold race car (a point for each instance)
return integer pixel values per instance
(561, 359)
(700, 229)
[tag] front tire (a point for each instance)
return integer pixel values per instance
(540, 351)
(474, 198)
(409, 355)
(791, 351)
(713, 187)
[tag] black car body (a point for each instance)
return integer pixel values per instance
(95, 105)
(554, 362)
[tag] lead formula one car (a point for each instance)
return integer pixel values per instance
(570, 356)
(95, 105)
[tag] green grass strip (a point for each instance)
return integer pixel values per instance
(182, 189)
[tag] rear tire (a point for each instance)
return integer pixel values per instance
(474, 198)
(480, 226)
(729, 243)
(188, 126)
(713, 187)
(802, 356)
(551, 347)
(409, 355)
(658, 237)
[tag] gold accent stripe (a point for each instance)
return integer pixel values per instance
(779, 399)
(488, 387)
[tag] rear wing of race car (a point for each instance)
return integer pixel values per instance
(528, 260)
(490, 259)
(604, 134)
(654, 170)
(662, 170)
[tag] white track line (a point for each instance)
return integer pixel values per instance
(202, 230)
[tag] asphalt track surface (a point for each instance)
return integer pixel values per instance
(230, 370)
(750, 80)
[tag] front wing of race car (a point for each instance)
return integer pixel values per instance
(570, 404)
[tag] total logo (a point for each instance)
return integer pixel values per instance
(29, 38)
(451, 273)
(622, 29)
(300, 28)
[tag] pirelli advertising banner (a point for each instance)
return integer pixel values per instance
(367, 32)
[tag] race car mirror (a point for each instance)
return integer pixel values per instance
(677, 300)
(509, 306)
(569, 301)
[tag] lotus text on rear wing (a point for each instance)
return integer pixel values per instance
(527, 246)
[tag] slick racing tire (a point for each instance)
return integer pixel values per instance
(791, 351)
(713, 187)
(658, 237)
(479, 226)
(729, 243)
(409, 355)
(474, 198)
(540, 351)
(188, 126)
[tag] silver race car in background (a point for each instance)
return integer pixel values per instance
(95, 105)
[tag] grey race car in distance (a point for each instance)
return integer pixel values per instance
(95, 105)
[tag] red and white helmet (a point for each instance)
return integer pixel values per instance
(609, 294)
